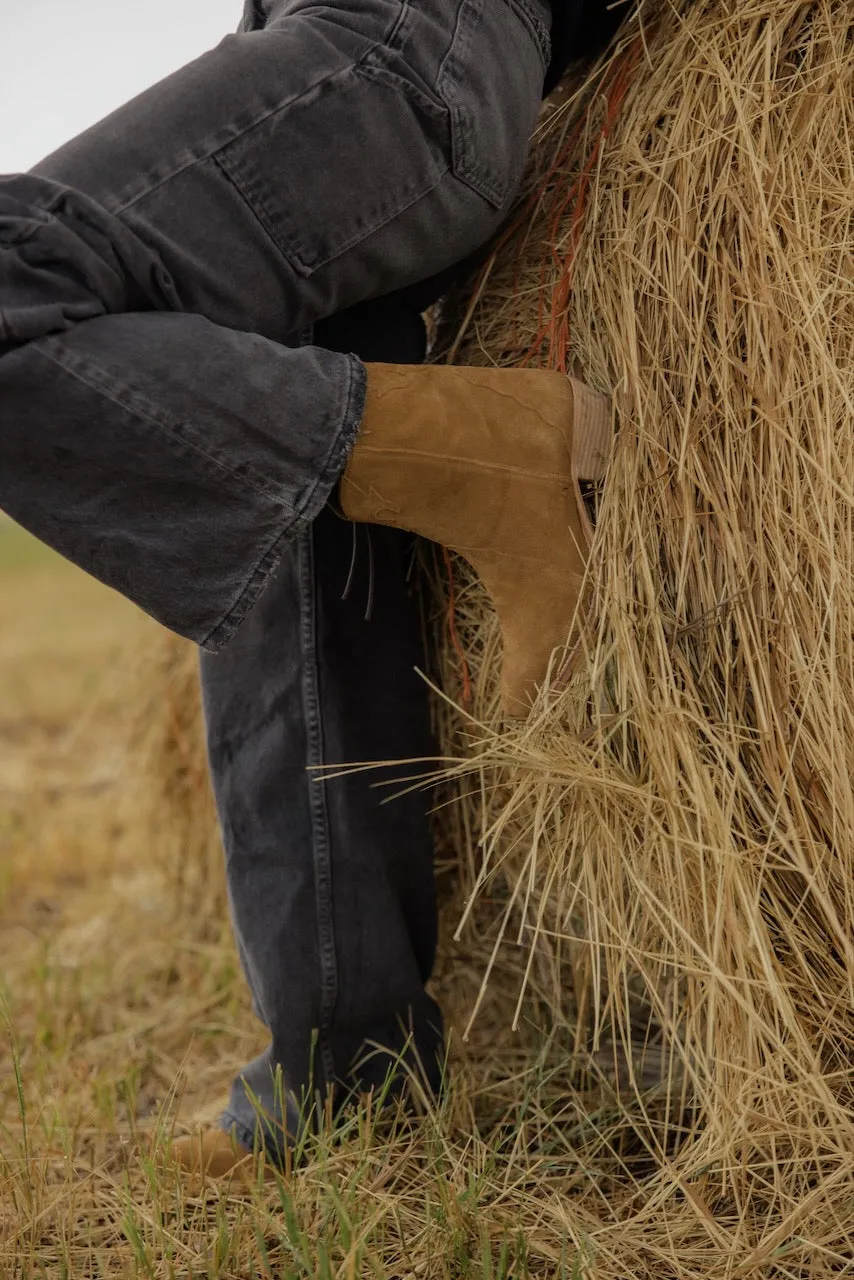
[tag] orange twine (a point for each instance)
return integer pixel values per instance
(554, 329)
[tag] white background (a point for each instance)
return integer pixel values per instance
(66, 63)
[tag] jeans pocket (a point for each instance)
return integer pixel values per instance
(346, 157)
(491, 81)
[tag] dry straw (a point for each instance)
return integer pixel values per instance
(656, 872)
(676, 830)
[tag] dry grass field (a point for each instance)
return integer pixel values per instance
(124, 1012)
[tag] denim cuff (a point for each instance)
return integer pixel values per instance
(298, 517)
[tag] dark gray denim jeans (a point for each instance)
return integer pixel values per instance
(162, 426)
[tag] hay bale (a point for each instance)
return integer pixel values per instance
(656, 871)
(676, 830)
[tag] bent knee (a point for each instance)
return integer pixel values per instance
(64, 259)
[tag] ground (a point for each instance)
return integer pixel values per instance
(125, 1013)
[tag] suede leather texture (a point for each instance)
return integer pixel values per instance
(482, 460)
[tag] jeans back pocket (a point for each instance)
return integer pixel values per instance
(344, 158)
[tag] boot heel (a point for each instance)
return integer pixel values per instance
(591, 432)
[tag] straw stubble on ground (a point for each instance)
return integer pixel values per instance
(124, 1012)
(654, 874)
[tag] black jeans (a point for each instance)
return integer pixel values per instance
(162, 426)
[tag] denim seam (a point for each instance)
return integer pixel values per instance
(253, 585)
(461, 32)
(469, 165)
(384, 218)
(350, 419)
(399, 28)
(264, 566)
(330, 469)
(212, 148)
(294, 255)
(255, 202)
(328, 473)
(463, 150)
(254, 207)
(243, 479)
(320, 842)
(538, 28)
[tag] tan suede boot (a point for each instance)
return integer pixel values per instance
(487, 461)
(214, 1154)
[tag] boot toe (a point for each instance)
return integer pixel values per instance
(214, 1154)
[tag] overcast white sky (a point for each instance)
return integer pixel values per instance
(66, 63)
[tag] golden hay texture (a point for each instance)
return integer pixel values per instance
(655, 873)
(678, 828)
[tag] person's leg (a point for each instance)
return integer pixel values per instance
(287, 174)
(331, 889)
(169, 456)
(156, 429)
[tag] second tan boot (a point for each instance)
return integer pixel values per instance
(213, 1154)
(488, 462)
